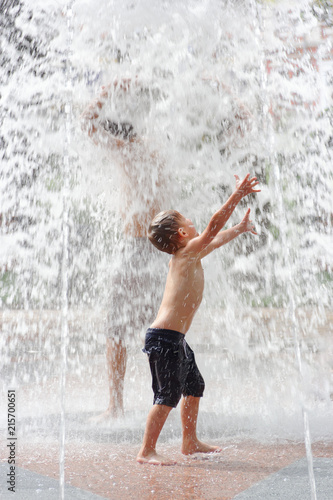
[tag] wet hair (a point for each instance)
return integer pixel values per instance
(163, 231)
(123, 129)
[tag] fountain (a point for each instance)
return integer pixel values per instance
(243, 87)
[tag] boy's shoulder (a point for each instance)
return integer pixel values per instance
(183, 256)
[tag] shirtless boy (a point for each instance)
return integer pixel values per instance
(172, 362)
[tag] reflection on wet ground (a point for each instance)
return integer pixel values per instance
(110, 470)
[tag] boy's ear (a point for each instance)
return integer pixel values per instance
(182, 233)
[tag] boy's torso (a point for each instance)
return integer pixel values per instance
(183, 294)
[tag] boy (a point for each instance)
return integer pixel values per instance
(172, 363)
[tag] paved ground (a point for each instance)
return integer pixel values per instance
(30, 486)
(292, 483)
(245, 470)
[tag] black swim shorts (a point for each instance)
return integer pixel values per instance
(173, 367)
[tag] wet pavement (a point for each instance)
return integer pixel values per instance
(292, 482)
(245, 470)
(30, 485)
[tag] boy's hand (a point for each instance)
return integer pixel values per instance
(246, 186)
(246, 225)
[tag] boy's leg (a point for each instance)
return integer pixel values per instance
(189, 415)
(155, 421)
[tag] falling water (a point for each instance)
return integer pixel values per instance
(60, 201)
(65, 250)
(283, 217)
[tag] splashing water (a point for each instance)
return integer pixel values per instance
(224, 89)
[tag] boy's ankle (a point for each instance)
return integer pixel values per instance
(195, 446)
(146, 451)
(152, 457)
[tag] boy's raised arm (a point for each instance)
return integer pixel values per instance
(224, 237)
(220, 218)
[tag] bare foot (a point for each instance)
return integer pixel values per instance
(188, 448)
(154, 459)
(107, 416)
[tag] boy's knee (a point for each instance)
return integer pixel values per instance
(195, 388)
(166, 401)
